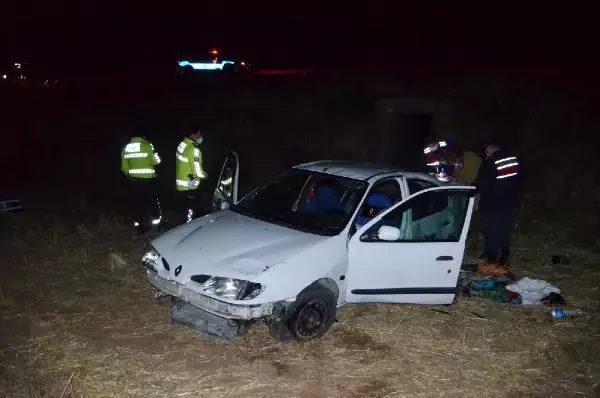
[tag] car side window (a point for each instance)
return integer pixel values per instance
(415, 185)
(436, 216)
(382, 196)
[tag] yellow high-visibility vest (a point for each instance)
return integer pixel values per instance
(188, 165)
(138, 159)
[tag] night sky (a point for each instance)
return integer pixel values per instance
(107, 34)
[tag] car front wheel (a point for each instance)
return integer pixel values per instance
(312, 314)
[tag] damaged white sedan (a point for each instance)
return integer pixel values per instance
(314, 238)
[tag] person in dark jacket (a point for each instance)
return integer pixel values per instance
(499, 186)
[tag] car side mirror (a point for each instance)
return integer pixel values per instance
(388, 234)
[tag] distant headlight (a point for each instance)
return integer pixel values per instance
(150, 258)
(232, 289)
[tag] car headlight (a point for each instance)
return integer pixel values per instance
(232, 289)
(150, 258)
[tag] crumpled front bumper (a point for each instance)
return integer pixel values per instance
(209, 304)
(207, 324)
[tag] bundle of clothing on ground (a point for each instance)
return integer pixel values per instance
(504, 289)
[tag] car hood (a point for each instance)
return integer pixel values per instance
(230, 245)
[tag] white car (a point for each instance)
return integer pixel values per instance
(312, 239)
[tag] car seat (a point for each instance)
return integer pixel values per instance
(325, 200)
(379, 201)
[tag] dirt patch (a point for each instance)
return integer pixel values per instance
(281, 368)
(357, 340)
(374, 388)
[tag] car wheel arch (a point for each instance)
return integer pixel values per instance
(283, 312)
(326, 283)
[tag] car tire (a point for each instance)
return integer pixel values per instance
(312, 314)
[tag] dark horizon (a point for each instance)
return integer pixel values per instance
(379, 34)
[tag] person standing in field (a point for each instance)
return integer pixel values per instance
(190, 172)
(138, 163)
(499, 187)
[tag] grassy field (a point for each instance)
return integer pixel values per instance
(79, 320)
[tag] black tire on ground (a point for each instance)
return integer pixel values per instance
(312, 314)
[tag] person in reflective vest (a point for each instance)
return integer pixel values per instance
(138, 162)
(499, 187)
(438, 161)
(190, 172)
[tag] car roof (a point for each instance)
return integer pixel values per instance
(355, 170)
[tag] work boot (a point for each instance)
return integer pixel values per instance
(486, 268)
(504, 254)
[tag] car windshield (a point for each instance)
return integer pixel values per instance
(311, 202)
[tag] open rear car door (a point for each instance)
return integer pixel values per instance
(226, 192)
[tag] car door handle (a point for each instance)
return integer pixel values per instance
(444, 258)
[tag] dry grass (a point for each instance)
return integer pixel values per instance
(78, 319)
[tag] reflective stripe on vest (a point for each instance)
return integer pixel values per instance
(141, 171)
(133, 147)
(507, 167)
(184, 183)
(434, 147)
(135, 155)
(226, 181)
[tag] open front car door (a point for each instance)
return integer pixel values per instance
(412, 252)
(226, 192)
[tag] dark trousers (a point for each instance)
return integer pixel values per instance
(190, 206)
(145, 211)
(496, 227)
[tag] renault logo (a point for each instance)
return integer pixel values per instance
(177, 271)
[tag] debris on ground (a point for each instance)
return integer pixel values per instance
(559, 313)
(492, 288)
(532, 291)
(503, 288)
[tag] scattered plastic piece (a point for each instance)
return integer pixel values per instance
(559, 313)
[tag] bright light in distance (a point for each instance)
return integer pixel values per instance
(204, 65)
(4, 76)
(243, 63)
(213, 51)
(17, 65)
